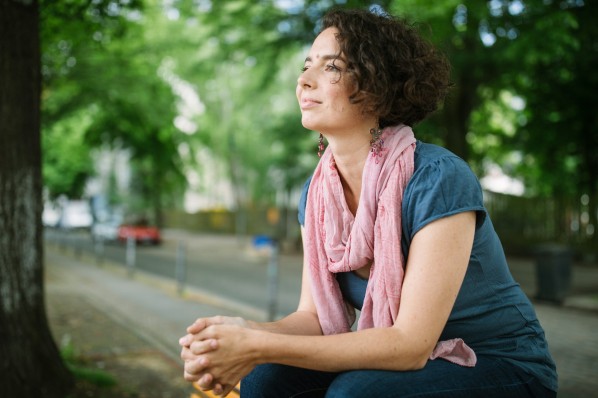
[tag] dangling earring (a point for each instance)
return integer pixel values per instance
(320, 145)
(376, 143)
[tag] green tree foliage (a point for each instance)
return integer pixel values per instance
(560, 135)
(75, 36)
(524, 87)
(66, 155)
(523, 98)
(98, 64)
(558, 82)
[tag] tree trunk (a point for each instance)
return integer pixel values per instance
(463, 98)
(457, 110)
(30, 364)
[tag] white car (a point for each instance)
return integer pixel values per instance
(75, 214)
(50, 216)
(107, 230)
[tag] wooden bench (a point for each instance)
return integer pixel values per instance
(235, 393)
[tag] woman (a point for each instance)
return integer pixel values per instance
(393, 227)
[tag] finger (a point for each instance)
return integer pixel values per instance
(206, 381)
(227, 390)
(197, 326)
(197, 366)
(187, 355)
(204, 346)
(218, 389)
(187, 339)
(190, 377)
(202, 323)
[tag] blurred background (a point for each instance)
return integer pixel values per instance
(182, 114)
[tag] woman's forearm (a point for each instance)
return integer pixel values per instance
(298, 323)
(382, 348)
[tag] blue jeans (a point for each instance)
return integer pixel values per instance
(491, 377)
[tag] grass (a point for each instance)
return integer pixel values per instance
(82, 372)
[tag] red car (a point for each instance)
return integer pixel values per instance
(142, 233)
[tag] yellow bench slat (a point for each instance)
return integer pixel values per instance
(209, 394)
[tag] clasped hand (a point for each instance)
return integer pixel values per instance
(215, 353)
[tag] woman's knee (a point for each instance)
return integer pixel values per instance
(276, 381)
(353, 384)
(375, 383)
(262, 381)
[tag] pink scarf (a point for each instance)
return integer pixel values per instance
(336, 241)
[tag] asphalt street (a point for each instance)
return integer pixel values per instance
(212, 263)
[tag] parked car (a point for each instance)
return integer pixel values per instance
(141, 231)
(50, 215)
(107, 230)
(75, 214)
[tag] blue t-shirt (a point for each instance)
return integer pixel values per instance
(491, 314)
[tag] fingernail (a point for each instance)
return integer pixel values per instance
(183, 341)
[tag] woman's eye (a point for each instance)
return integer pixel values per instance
(304, 68)
(332, 67)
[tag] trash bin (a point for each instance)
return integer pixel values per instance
(553, 272)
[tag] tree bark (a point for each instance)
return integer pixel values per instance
(30, 363)
(457, 111)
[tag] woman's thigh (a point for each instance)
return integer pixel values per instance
(280, 381)
(439, 378)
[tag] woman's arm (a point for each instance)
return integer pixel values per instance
(438, 259)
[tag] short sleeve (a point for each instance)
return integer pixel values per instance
(303, 202)
(441, 188)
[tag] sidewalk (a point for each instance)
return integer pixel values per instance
(129, 323)
(103, 343)
(127, 327)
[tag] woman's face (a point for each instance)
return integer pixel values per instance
(323, 88)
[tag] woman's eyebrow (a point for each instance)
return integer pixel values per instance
(326, 57)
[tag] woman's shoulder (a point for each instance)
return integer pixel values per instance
(433, 162)
(442, 185)
(426, 154)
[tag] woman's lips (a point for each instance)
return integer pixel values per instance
(308, 103)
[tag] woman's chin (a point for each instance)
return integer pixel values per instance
(310, 124)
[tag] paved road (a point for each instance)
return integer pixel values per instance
(232, 270)
(215, 264)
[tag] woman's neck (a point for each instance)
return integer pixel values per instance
(350, 153)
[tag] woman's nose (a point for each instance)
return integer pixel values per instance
(304, 80)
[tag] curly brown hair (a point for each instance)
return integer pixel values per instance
(397, 74)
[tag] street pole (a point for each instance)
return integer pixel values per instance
(181, 266)
(273, 280)
(99, 249)
(131, 255)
